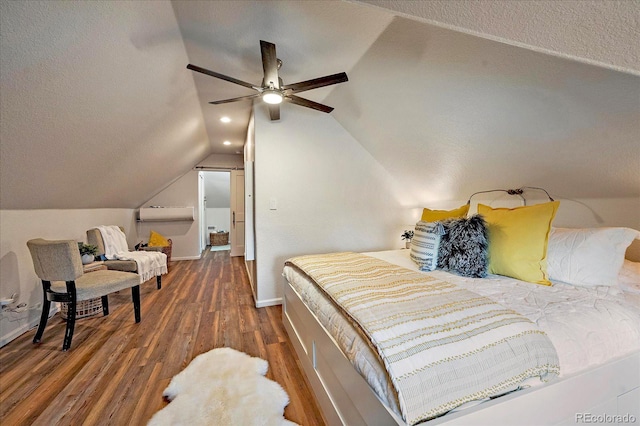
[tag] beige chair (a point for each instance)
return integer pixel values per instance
(94, 238)
(58, 265)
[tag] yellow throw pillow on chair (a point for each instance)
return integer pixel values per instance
(518, 239)
(157, 240)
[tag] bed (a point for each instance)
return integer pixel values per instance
(595, 331)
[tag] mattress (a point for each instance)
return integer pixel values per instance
(588, 326)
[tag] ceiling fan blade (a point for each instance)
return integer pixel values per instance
(274, 112)
(307, 103)
(241, 98)
(269, 64)
(221, 76)
(316, 82)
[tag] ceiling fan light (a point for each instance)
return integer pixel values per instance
(272, 97)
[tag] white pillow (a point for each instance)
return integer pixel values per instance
(425, 244)
(588, 257)
(629, 278)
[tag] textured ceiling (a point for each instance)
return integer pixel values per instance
(98, 110)
(92, 115)
(452, 114)
(312, 38)
(605, 33)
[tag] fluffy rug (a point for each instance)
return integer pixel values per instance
(223, 387)
(221, 248)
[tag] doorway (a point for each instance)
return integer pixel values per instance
(216, 209)
(222, 210)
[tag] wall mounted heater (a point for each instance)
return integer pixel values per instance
(165, 214)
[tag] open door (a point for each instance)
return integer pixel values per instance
(237, 213)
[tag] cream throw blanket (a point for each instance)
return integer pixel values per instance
(150, 263)
(442, 345)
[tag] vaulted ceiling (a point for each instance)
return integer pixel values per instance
(98, 110)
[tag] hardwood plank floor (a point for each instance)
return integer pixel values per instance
(116, 370)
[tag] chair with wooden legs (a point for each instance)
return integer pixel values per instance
(58, 265)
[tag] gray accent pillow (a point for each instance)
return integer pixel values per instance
(464, 247)
(425, 243)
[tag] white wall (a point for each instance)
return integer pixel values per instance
(184, 234)
(16, 268)
(572, 213)
(217, 191)
(461, 114)
(220, 218)
(331, 194)
(184, 192)
(223, 161)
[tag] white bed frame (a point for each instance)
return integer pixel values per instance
(345, 398)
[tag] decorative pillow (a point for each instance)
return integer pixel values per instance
(518, 239)
(464, 247)
(429, 215)
(425, 243)
(588, 256)
(157, 240)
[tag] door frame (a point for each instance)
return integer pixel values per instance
(237, 229)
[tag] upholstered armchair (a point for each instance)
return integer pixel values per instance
(58, 265)
(94, 237)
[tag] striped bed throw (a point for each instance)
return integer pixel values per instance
(442, 345)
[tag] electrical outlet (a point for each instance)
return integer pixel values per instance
(20, 308)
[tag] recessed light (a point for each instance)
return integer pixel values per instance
(226, 143)
(225, 119)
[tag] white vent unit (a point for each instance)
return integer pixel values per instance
(165, 214)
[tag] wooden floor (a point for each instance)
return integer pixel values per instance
(116, 370)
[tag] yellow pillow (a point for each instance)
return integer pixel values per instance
(157, 240)
(429, 215)
(518, 239)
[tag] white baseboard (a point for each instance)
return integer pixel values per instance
(19, 331)
(268, 302)
(186, 258)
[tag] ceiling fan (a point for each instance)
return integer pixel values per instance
(272, 91)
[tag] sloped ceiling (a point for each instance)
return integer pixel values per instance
(463, 113)
(604, 33)
(313, 39)
(454, 114)
(93, 115)
(98, 110)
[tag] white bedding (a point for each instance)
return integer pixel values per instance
(564, 312)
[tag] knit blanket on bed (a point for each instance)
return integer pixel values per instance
(442, 345)
(149, 263)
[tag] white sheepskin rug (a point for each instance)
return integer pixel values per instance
(223, 387)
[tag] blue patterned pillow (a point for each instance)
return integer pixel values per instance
(425, 243)
(464, 247)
